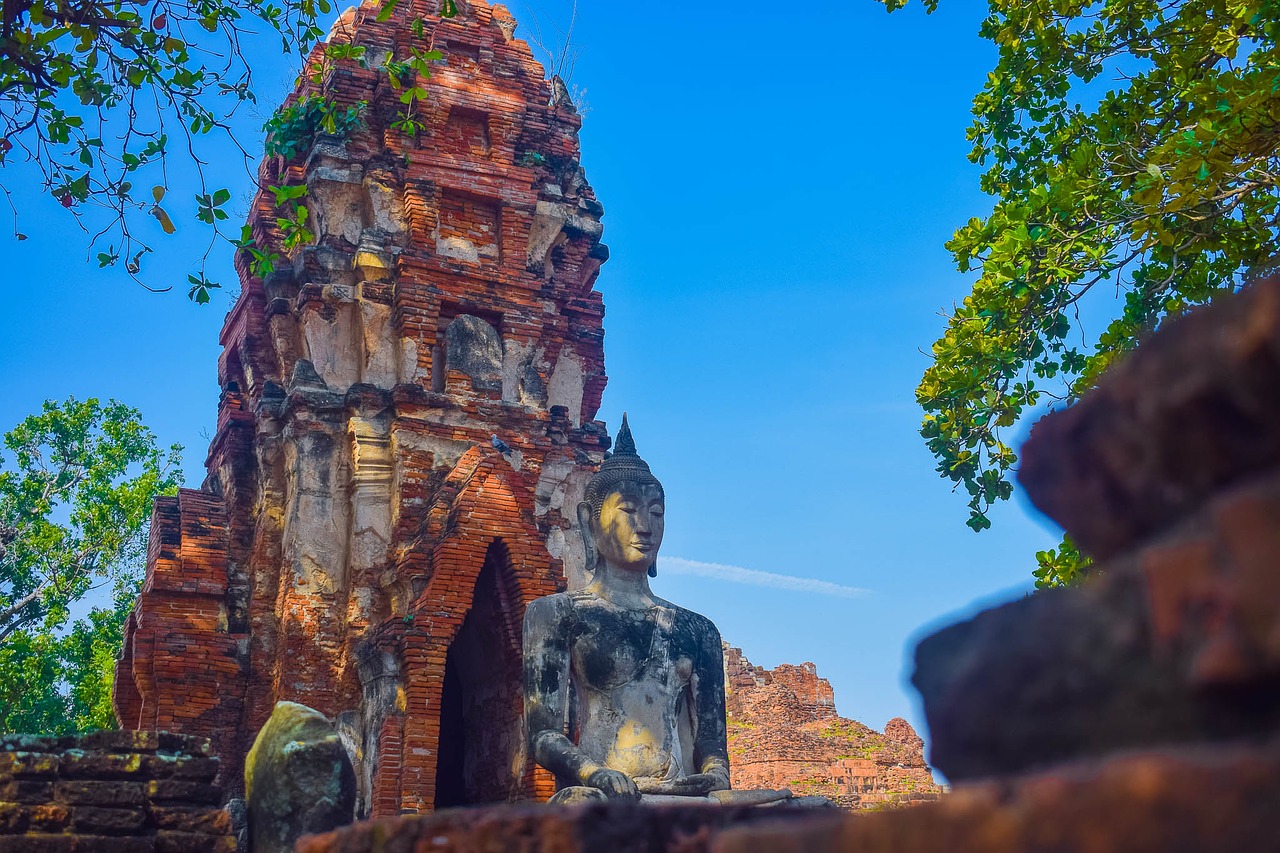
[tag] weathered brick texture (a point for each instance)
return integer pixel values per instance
(132, 792)
(358, 545)
(784, 732)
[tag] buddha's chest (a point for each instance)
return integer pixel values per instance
(612, 650)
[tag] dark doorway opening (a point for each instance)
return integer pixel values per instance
(479, 753)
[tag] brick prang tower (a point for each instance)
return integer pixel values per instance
(359, 545)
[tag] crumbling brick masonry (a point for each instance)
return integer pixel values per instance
(359, 546)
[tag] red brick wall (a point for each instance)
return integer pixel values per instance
(125, 792)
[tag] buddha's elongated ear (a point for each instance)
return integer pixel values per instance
(653, 568)
(588, 539)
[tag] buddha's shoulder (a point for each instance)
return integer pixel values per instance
(550, 607)
(695, 623)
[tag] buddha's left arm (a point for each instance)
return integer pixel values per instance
(710, 748)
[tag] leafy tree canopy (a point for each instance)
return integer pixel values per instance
(1132, 144)
(76, 491)
(99, 94)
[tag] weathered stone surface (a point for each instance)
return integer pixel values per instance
(108, 791)
(358, 545)
(100, 793)
(170, 841)
(784, 733)
(170, 790)
(614, 827)
(1195, 800)
(298, 779)
(1191, 411)
(1170, 470)
(108, 821)
(189, 819)
(1175, 642)
(25, 791)
(17, 818)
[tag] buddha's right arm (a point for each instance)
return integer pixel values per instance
(546, 689)
(558, 754)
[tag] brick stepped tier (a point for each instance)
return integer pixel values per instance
(111, 792)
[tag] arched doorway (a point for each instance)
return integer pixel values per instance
(480, 750)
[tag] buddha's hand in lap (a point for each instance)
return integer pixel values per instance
(697, 785)
(615, 784)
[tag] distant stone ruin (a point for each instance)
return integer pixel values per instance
(784, 732)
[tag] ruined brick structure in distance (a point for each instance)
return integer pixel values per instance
(359, 545)
(784, 732)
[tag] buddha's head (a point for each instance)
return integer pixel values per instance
(621, 514)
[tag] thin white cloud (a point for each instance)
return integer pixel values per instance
(737, 574)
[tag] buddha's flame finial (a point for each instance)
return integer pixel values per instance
(626, 445)
(622, 464)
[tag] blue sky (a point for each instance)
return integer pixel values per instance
(778, 182)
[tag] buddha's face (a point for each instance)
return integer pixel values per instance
(629, 531)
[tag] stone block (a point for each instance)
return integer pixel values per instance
(27, 765)
(298, 779)
(16, 818)
(99, 793)
(1191, 800)
(39, 843)
(1175, 643)
(25, 791)
(169, 790)
(114, 844)
(184, 767)
(80, 764)
(35, 743)
(192, 820)
(614, 827)
(123, 740)
(107, 821)
(169, 841)
(176, 743)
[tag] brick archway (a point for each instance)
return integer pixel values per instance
(480, 748)
(484, 559)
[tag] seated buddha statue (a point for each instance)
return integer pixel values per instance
(624, 691)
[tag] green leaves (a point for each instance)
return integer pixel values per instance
(77, 482)
(1065, 566)
(261, 261)
(1164, 188)
(293, 128)
(200, 287)
(166, 224)
(209, 207)
(285, 194)
(419, 63)
(92, 89)
(293, 226)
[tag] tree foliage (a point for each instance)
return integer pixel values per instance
(76, 491)
(1132, 144)
(101, 96)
